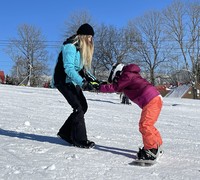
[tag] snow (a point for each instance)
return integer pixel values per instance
(30, 149)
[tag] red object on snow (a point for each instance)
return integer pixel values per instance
(2, 77)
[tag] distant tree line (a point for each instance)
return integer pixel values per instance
(163, 43)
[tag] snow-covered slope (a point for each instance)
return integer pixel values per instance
(30, 149)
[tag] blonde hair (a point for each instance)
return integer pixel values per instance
(86, 50)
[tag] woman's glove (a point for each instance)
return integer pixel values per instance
(87, 86)
(95, 84)
(92, 85)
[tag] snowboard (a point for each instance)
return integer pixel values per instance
(141, 162)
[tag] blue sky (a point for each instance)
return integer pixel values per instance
(50, 15)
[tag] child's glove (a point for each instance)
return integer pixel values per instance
(98, 85)
(103, 82)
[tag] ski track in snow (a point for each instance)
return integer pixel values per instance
(30, 149)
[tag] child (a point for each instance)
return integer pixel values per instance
(127, 79)
(124, 98)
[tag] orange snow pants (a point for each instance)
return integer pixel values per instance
(150, 135)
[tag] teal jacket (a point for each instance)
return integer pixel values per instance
(68, 66)
(72, 64)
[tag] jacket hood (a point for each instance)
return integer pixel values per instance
(132, 68)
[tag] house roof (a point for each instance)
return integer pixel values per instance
(179, 91)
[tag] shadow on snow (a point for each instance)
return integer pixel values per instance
(124, 152)
(103, 101)
(34, 137)
(56, 140)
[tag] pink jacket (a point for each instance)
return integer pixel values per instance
(139, 90)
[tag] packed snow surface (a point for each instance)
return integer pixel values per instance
(31, 150)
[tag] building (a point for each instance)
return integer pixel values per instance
(2, 78)
(184, 91)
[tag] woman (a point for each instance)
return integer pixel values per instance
(71, 72)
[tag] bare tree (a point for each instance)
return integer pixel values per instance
(75, 20)
(111, 45)
(150, 49)
(28, 54)
(182, 24)
(193, 45)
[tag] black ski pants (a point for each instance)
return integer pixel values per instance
(74, 127)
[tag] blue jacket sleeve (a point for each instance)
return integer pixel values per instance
(71, 61)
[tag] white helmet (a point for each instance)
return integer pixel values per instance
(115, 68)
